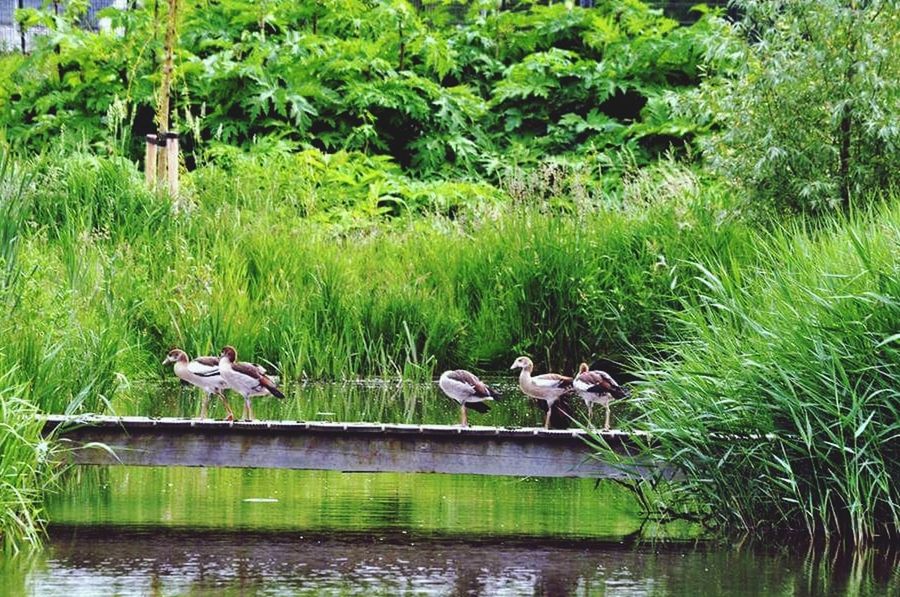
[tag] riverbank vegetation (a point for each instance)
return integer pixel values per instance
(27, 471)
(781, 396)
(392, 196)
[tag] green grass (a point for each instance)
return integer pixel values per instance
(117, 275)
(25, 471)
(806, 352)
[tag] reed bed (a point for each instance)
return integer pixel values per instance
(780, 401)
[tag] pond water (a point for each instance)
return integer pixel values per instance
(179, 531)
(380, 401)
(183, 531)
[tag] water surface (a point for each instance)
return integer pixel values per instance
(191, 531)
(91, 561)
(376, 401)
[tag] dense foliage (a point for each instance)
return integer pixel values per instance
(520, 182)
(809, 118)
(497, 93)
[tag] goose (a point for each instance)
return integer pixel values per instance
(597, 387)
(468, 390)
(202, 372)
(246, 379)
(549, 387)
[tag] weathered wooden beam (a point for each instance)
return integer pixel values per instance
(348, 447)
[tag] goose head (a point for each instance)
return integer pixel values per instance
(523, 363)
(175, 355)
(583, 368)
(229, 353)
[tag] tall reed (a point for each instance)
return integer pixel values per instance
(26, 471)
(781, 400)
(25, 464)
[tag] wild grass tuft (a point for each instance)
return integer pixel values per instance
(781, 400)
(26, 471)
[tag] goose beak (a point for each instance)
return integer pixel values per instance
(167, 360)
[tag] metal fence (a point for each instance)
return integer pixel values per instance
(12, 38)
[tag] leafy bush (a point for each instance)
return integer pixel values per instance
(810, 117)
(373, 78)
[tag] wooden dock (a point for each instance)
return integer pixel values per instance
(349, 447)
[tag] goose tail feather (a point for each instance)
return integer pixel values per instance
(480, 407)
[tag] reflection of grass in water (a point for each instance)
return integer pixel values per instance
(363, 502)
(372, 401)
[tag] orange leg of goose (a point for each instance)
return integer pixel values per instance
(465, 418)
(230, 415)
(547, 418)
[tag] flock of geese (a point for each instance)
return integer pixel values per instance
(214, 375)
(594, 387)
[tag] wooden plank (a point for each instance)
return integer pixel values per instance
(337, 446)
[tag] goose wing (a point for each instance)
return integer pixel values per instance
(208, 361)
(253, 371)
(601, 382)
(204, 366)
(552, 380)
(479, 388)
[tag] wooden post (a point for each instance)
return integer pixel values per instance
(162, 115)
(150, 162)
(172, 162)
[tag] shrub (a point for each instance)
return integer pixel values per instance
(810, 117)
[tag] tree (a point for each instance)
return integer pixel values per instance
(809, 119)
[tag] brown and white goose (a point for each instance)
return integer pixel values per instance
(468, 390)
(548, 388)
(202, 372)
(246, 379)
(597, 387)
